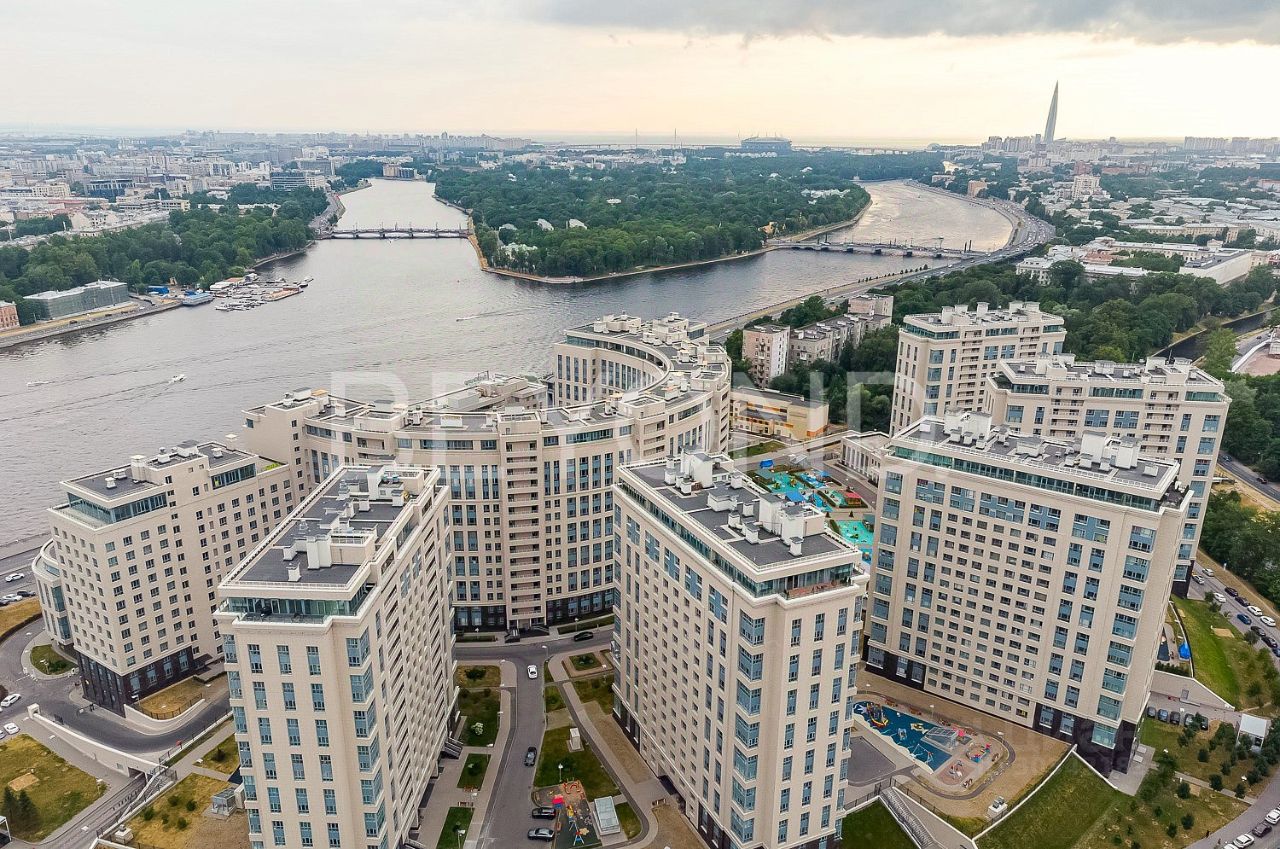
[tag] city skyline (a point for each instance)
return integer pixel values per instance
(552, 69)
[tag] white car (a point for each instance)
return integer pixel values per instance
(1205, 570)
(11, 597)
(1273, 816)
(10, 728)
(533, 671)
(1268, 621)
(1220, 598)
(9, 699)
(1254, 609)
(1244, 840)
(13, 576)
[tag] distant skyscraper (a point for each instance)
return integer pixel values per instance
(1051, 124)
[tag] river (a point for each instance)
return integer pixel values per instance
(395, 319)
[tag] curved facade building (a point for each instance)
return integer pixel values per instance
(529, 464)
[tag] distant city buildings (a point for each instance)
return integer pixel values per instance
(8, 315)
(765, 144)
(98, 295)
(1103, 257)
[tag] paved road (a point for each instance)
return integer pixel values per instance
(55, 695)
(507, 820)
(1243, 473)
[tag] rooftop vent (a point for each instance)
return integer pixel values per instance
(111, 483)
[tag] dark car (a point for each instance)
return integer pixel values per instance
(513, 637)
(1262, 829)
(1175, 717)
(1151, 711)
(543, 813)
(1262, 479)
(531, 756)
(1269, 640)
(1244, 619)
(1275, 651)
(582, 636)
(1231, 591)
(1163, 715)
(1257, 629)
(541, 834)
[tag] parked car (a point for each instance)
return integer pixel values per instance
(13, 576)
(1204, 723)
(1199, 579)
(532, 671)
(1257, 629)
(543, 813)
(1188, 719)
(1254, 609)
(1245, 620)
(1276, 652)
(1220, 598)
(10, 699)
(541, 834)
(12, 597)
(1244, 840)
(1175, 717)
(1262, 829)
(1273, 816)
(1232, 591)
(1242, 601)
(1268, 621)
(1205, 570)
(531, 756)
(582, 636)
(10, 728)
(1263, 479)
(1162, 715)
(1151, 711)
(26, 593)
(512, 637)
(1269, 641)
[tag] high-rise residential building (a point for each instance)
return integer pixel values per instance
(530, 466)
(339, 656)
(1175, 411)
(738, 631)
(127, 580)
(945, 358)
(1026, 577)
(765, 348)
(1051, 122)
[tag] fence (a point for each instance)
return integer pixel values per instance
(908, 820)
(170, 713)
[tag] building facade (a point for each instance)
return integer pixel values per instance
(339, 657)
(87, 298)
(765, 412)
(530, 466)
(1026, 577)
(944, 359)
(737, 632)
(765, 347)
(1175, 411)
(127, 579)
(8, 315)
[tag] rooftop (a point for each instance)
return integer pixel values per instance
(135, 477)
(982, 314)
(1154, 370)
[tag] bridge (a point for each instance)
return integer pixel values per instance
(398, 232)
(883, 248)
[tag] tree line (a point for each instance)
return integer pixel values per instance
(650, 215)
(194, 248)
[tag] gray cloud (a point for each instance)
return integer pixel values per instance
(1158, 21)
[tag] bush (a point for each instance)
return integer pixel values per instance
(1239, 791)
(1203, 756)
(1172, 830)
(191, 804)
(1215, 781)
(1188, 820)
(148, 813)
(475, 673)
(182, 823)
(1184, 790)
(174, 801)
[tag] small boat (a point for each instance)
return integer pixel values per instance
(308, 279)
(466, 317)
(36, 382)
(177, 378)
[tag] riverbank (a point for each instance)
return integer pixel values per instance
(74, 325)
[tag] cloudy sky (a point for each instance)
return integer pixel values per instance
(811, 69)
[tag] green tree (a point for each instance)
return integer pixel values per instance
(1219, 353)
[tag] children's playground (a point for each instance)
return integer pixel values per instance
(573, 825)
(846, 512)
(957, 757)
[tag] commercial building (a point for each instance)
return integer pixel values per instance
(944, 359)
(127, 579)
(1098, 259)
(98, 295)
(765, 144)
(1026, 577)
(8, 315)
(765, 348)
(768, 413)
(738, 632)
(530, 466)
(339, 658)
(1175, 411)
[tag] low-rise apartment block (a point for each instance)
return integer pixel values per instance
(1026, 577)
(1174, 410)
(766, 347)
(945, 358)
(127, 580)
(531, 479)
(339, 656)
(778, 414)
(738, 630)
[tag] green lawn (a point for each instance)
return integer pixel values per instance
(458, 819)
(598, 690)
(628, 820)
(47, 659)
(478, 676)
(589, 625)
(1236, 671)
(1219, 752)
(224, 757)
(873, 827)
(57, 789)
(551, 698)
(18, 613)
(480, 705)
(1077, 810)
(581, 765)
(473, 770)
(765, 447)
(585, 661)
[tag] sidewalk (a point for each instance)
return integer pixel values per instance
(446, 793)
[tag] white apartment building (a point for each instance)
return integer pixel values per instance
(530, 466)
(339, 657)
(1176, 411)
(945, 358)
(127, 577)
(765, 348)
(1026, 577)
(738, 630)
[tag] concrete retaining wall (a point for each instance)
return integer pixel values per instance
(122, 762)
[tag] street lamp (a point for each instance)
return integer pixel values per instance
(560, 773)
(461, 833)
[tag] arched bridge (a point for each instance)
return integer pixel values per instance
(882, 248)
(398, 233)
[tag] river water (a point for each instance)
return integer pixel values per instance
(395, 320)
